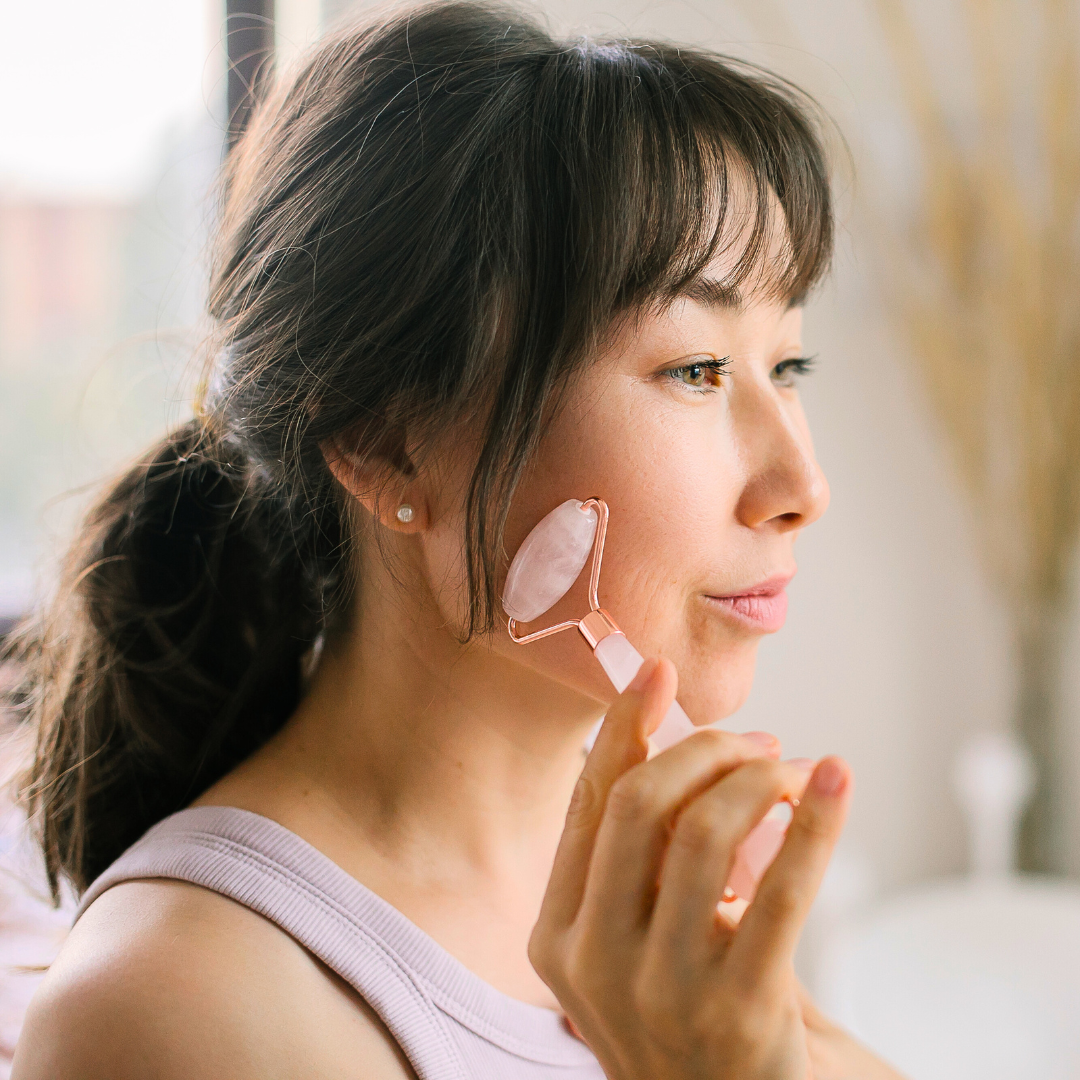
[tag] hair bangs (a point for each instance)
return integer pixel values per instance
(709, 161)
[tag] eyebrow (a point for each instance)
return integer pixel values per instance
(712, 293)
(718, 294)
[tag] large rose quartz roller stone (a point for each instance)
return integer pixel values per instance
(543, 571)
(546, 566)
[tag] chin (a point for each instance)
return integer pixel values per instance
(718, 686)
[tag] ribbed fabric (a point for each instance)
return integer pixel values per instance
(450, 1023)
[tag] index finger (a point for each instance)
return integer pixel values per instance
(621, 744)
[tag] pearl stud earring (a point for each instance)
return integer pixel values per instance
(405, 513)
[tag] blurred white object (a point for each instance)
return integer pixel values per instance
(846, 892)
(993, 780)
(970, 978)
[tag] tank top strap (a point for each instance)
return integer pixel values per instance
(449, 1023)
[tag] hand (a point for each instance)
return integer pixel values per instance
(834, 1054)
(660, 985)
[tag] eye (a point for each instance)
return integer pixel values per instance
(787, 371)
(701, 373)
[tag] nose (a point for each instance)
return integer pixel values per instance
(785, 488)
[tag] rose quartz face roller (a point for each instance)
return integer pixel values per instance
(543, 571)
(546, 566)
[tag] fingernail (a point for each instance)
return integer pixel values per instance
(780, 814)
(769, 743)
(804, 763)
(829, 778)
(644, 674)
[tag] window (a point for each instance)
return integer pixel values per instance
(113, 121)
(112, 137)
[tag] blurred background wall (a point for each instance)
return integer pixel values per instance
(901, 641)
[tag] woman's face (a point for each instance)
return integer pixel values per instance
(689, 426)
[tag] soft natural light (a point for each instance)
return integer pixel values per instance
(97, 82)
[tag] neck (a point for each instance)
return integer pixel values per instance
(434, 751)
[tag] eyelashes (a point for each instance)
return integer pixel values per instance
(702, 374)
(788, 371)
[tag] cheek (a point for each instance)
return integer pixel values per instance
(671, 478)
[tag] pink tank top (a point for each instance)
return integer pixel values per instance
(450, 1023)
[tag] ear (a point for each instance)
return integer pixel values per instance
(383, 480)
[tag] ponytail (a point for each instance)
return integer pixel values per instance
(173, 651)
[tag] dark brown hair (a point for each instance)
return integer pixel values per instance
(430, 226)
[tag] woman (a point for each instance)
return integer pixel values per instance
(465, 273)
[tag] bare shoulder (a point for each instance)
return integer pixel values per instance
(161, 980)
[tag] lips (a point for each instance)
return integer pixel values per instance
(762, 606)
